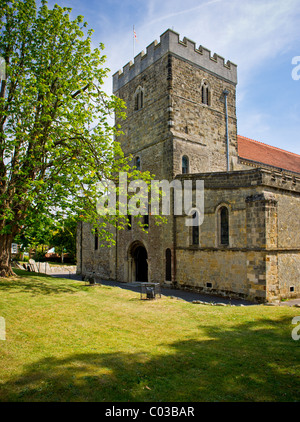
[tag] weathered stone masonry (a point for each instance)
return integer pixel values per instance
(261, 261)
(252, 265)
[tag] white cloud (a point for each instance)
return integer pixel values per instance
(180, 13)
(254, 125)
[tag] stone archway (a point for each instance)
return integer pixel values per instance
(139, 262)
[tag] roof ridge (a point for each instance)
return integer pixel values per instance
(270, 146)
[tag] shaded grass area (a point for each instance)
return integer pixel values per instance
(71, 342)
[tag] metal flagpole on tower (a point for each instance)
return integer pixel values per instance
(134, 39)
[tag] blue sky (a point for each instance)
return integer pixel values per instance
(260, 36)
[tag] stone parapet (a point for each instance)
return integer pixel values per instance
(245, 178)
(186, 49)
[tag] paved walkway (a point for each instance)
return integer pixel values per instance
(179, 294)
(174, 293)
(184, 295)
(292, 302)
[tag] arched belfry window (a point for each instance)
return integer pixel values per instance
(205, 93)
(139, 98)
(224, 225)
(185, 165)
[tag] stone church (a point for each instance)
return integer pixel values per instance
(181, 125)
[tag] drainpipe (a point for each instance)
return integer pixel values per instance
(225, 92)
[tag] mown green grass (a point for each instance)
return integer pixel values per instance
(69, 342)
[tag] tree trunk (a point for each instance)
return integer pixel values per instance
(5, 254)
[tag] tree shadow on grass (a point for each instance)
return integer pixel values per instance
(37, 283)
(254, 361)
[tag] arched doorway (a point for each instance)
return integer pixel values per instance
(141, 265)
(139, 262)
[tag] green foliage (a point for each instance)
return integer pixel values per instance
(56, 141)
(36, 231)
(64, 237)
(59, 233)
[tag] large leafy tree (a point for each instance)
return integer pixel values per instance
(56, 141)
(45, 232)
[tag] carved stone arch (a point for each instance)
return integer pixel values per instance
(137, 262)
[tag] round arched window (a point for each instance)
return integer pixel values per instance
(224, 226)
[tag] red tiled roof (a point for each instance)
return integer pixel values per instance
(266, 154)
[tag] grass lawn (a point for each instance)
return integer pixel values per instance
(69, 342)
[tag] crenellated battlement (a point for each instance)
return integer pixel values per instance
(186, 49)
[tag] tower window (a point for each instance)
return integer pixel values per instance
(185, 164)
(224, 226)
(205, 94)
(138, 163)
(129, 222)
(139, 98)
(146, 218)
(146, 221)
(96, 239)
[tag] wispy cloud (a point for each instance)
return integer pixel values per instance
(181, 12)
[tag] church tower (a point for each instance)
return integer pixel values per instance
(177, 120)
(181, 126)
